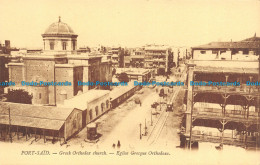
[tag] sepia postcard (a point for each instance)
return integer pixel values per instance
(130, 82)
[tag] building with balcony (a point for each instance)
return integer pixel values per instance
(137, 58)
(221, 105)
(117, 56)
(157, 58)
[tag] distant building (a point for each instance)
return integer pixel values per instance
(247, 49)
(5, 48)
(115, 60)
(137, 58)
(59, 62)
(5, 51)
(118, 54)
(180, 55)
(138, 74)
(84, 50)
(127, 61)
(157, 58)
(137, 61)
(3, 69)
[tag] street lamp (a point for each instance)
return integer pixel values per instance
(145, 133)
(151, 117)
(10, 133)
(140, 131)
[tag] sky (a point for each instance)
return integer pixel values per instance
(131, 23)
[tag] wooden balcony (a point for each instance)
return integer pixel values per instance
(230, 115)
(232, 90)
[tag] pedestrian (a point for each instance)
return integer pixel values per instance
(118, 144)
(113, 145)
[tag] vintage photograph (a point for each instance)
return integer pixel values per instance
(130, 82)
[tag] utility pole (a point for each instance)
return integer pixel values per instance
(192, 103)
(151, 117)
(10, 135)
(258, 103)
(145, 127)
(140, 131)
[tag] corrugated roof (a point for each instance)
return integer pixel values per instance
(47, 117)
(28, 110)
(32, 122)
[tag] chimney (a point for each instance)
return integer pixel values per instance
(7, 44)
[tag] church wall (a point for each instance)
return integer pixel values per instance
(40, 94)
(16, 73)
(63, 74)
(105, 73)
(94, 71)
(41, 70)
(78, 76)
(85, 78)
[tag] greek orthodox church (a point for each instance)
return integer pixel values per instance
(58, 62)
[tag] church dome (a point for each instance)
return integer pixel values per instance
(59, 28)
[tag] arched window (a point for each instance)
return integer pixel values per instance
(74, 45)
(96, 109)
(107, 103)
(90, 114)
(102, 107)
(64, 46)
(51, 45)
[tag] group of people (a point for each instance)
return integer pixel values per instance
(118, 144)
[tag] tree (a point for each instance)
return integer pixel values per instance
(123, 77)
(19, 96)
